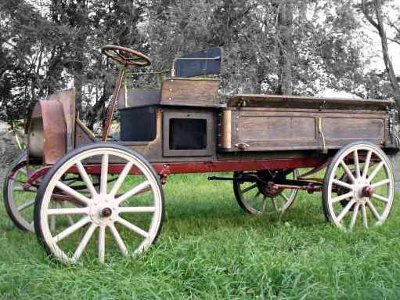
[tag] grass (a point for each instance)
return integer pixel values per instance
(209, 249)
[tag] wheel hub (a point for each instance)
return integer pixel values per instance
(362, 191)
(103, 210)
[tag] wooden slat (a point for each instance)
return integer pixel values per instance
(190, 92)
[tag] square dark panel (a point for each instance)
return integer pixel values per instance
(187, 134)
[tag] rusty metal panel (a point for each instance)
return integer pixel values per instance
(67, 99)
(55, 131)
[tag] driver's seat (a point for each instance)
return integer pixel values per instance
(200, 63)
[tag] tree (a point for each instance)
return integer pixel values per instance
(372, 11)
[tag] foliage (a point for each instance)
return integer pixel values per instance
(299, 47)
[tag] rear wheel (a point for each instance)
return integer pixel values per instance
(255, 196)
(124, 214)
(358, 187)
(19, 202)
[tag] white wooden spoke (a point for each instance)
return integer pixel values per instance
(53, 223)
(136, 190)
(375, 171)
(347, 170)
(364, 215)
(274, 203)
(86, 178)
(342, 197)
(70, 230)
(121, 179)
(83, 243)
(264, 203)
(133, 227)
(118, 239)
(379, 197)
(69, 218)
(356, 163)
(366, 165)
(26, 205)
(104, 174)
(249, 188)
(373, 210)
(21, 189)
(102, 243)
(345, 210)
(137, 209)
(354, 216)
(342, 184)
(67, 211)
(72, 192)
(380, 183)
(284, 197)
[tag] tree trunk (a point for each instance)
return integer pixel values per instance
(378, 24)
(285, 46)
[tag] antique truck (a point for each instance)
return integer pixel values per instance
(76, 190)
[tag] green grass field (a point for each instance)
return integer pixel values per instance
(209, 249)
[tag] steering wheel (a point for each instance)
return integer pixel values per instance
(126, 56)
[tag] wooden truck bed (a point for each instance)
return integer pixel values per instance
(275, 123)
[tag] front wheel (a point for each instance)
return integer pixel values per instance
(358, 187)
(125, 213)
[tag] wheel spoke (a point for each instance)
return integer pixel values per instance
(345, 210)
(286, 198)
(70, 230)
(118, 239)
(137, 189)
(364, 215)
(132, 227)
(275, 204)
(249, 188)
(373, 210)
(366, 165)
(104, 174)
(121, 178)
(86, 178)
(354, 216)
(102, 243)
(72, 192)
(380, 183)
(379, 197)
(137, 209)
(25, 205)
(83, 243)
(264, 204)
(68, 211)
(53, 223)
(342, 197)
(21, 189)
(375, 171)
(356, 163)
(342, 184)
(347, 170)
